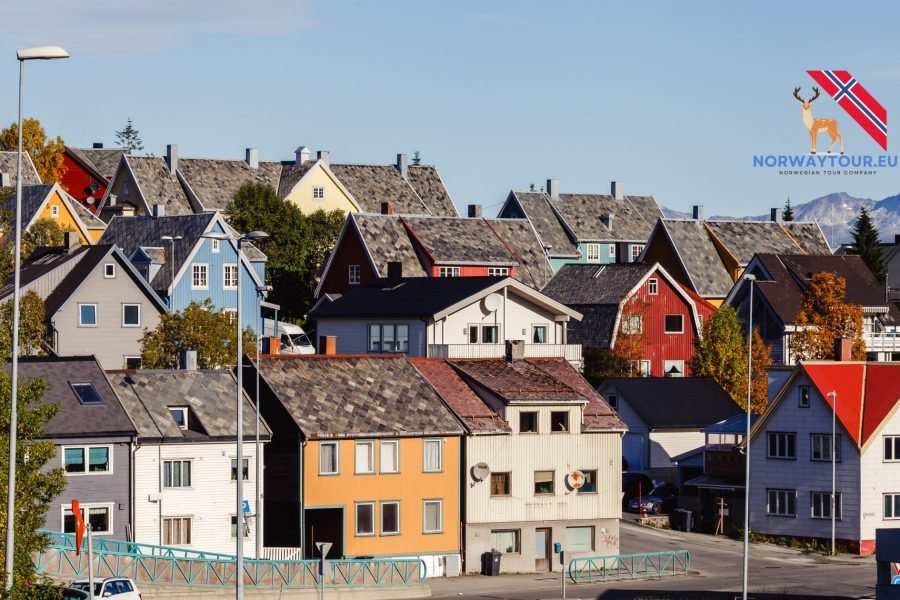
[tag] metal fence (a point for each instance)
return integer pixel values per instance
(629, 566)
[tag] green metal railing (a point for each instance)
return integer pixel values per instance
(629, 566)
(165, 565)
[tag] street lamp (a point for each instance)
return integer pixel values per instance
(261, 291)
(171, 239)
(751, 278)
(844, 205)
(37, 53)
(833, 395)
(239, 549)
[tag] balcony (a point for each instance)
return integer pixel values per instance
(571, 352)
(885, 341)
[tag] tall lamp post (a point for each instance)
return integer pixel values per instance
(751, 278)
(833, 395)
(37, 53)
(239, 505)
(261, 291)
(171, 260)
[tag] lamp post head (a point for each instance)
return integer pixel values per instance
(749, 277)
(41, 53)
(216, 235)
(169, 238)
(255, 235)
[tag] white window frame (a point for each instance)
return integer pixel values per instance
(592, 253)
(236, 521)
(184, 411)
(200, 271)
(381, 528)
(636, 250)
(390, 443)
(356, 531)
(226, 284)
(440, 444)
(822, 501)
(318, 193)
(781, 494)
(896, 514)
(653, 286)
(183, 519)
(546, 329)
(244, 459)
(354, 274)
(127, 357)
(86, 449)
(337, 458)
(611, 250)
(440, 503)
(449, 271)
(371, 445)
(96, 314)
(819, 439)
(566, 426)
(109, 506)
(54, 211)
(517, 535)
(498, 271)
(803, 396)
(109, 270)
(672, 331)
(215, 246)
(644, 368)
(181, 462)
(894, 441)
(124, 324)
(782, 445)
(669, 363)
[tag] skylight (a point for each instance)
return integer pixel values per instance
(87, 393)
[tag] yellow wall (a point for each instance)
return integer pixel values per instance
(335, 198)
(96, 234)
(65, 218)
(410, 486)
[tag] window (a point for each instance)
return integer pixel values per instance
(132, 362)
(820, 505)
(490, 334)
(782, 445)
(579, 539)
(632, 324)
(389, 338)
(590, 482)
(611, 250)
(318, 193)
(539, 334)
(593, 252)
(892, 506)
(641, 367)
(229, 276)
(234, 522)
(613, 401)
(543, 482)
(365, 518)
(54, 211)
(180, 415)
(820, 447)
(390, 518)
(528, 422)
(109, 271)
(176, 531)
(98, 460)
(87, 315)
(390, 456)
(98, 515)
(782, 503)
(636, 250)
(200, 277)
(804, 396)
(449, 272)
(891, 448)
(501, 484)
(559, 421)
(365, 457)
(673, 368)
(433, 517)
(176, 473)
(433, 459)
(498, 271)
(353, 274)
(87, 393)
(505, 540)
(214, 244)
(245, 470)
(328, 458)
(131, 315)
(674, 323)
(653, 286)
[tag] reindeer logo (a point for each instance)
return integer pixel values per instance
(814, 125)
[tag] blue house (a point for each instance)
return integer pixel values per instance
(183, 267)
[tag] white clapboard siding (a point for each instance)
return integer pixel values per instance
(666, 444)
(878, 478)
(516, 313)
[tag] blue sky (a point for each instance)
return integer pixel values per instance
(673, 99)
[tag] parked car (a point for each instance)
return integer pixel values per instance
(120, 588)
(632, 483)
(293, 339)
(72, 594)
(661, 498)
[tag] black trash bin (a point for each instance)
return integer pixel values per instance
(490, 563)
(676, 519)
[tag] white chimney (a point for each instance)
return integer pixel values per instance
(401, 165)
(302, 154)
(252, 158)
(159, 210)
(324, 156)
(553, 188)
(4, 180)
(776, 216)
(172, 158)
(617, 190)
(698, 212)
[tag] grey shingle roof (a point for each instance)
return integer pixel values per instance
(537, 209)
(102, 160)
(291, 174)
(158, 186)
(32, 197)
(75, 419)
(90, 220)
(215, 181)
(387, 241)
(675, 402)
(8, 165)
(809, 236)
(595, 284)
(352, 396)
(455, 241)
(427, 183)
(691, 240)
(518, 234)
(210, 394)
(745, 238)
(595, 330)
(371, 185)
(633, 216)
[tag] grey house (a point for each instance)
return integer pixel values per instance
(93, 436)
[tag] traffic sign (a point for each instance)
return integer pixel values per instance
(246, 507)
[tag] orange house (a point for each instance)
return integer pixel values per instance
(364, 455)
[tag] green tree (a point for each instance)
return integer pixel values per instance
(823, 317)
(44, 232)
(788, 213)
(198, 327)
(130, 138)
(416, 159)
(296, 247)
(722, 354)
(46, 154)
(32, 326)
(865, 244)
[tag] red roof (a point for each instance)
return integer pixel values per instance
(882, 395)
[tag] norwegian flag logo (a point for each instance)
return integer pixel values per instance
(850, 95)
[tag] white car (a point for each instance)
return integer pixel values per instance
(120, 588)
(293, 339)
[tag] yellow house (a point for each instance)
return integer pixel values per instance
(51, 202)
(364, 455)
(316, 187)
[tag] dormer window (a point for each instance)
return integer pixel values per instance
(87, 393)
(109, 271)
(180, 415)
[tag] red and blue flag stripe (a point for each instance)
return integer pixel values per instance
(856, 101)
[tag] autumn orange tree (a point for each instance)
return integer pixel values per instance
(623, 359)
(824, 316)
(46, 153)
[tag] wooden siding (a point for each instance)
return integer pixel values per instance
(469, 270)
(65, 219)
(661, 251)
(76, 181)
(878, 478)
(125, 189)
(350, 252)
(353, 335)
(335, 198)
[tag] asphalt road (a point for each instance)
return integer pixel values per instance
(775, 573)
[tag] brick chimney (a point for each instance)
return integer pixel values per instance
(474, 211)
(843, 349)
(387, 208)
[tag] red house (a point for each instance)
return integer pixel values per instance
(88, 171)
(633, 304)
(429, 246)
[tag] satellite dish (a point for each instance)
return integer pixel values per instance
(480, 471)
(94, 187)
(90, 200)
(492, 302)
(575, 479)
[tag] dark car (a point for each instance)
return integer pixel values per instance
(662, 498)
(633, 484)
(73, 594)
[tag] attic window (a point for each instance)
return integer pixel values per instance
(87, 393)
(54, 211)
(653, 286)
(109, 270)
(180, 415)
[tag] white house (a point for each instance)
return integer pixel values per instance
(791, 460)
(185, 463)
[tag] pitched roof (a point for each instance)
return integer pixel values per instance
(847, 379)
(632, 216)
(595, 284)
(8, 160)
(371, 185)
(215, 181)
(519, 236)
(453, 241)
(90, 220)
(74, 418)
(291, 174)
(746, 238)
(210, 395)
(698, 255)
(387, 240)
(102, 160)
(536, 208)
(158, 185)
(41, 262)
(33, 197)
(427, 183)
(596, 328)
(597, 415)
(676, 402)
(357, 396)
